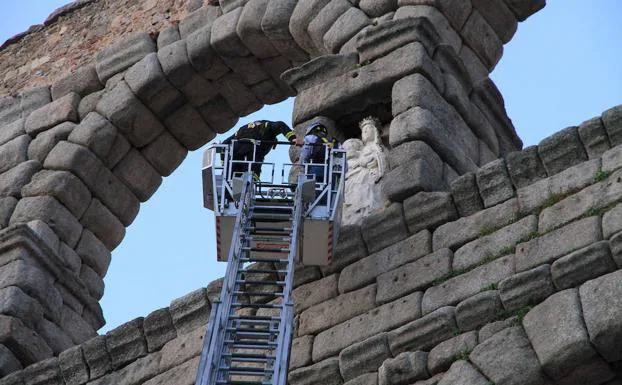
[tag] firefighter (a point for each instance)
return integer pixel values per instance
(314, 149)
(264, 131)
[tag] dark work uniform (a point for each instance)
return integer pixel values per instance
(262, 130)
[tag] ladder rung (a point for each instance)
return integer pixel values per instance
(273, 260)
(264, 271)
(251, 345)
(270, 229)
(249, 282)
(276, 208)
(248, 355)
(256, 249)
(250, 371)
(257, 294)
(239, 382)
(258, 360)
(257, 305)
(254, 318)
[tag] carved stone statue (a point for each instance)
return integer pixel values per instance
(366, 165)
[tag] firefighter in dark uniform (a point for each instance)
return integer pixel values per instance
(262, 131)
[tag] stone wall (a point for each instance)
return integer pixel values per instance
(72, 35)
(525, 290)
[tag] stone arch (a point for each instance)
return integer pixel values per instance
(86, 152)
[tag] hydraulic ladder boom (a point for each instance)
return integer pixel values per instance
(248, 340)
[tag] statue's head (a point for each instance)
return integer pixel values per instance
(352, 146)
(369, 130)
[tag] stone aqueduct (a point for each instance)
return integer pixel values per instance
(490, 265)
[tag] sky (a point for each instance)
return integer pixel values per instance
(563, 66)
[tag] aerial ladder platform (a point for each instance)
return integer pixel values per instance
(269, 227)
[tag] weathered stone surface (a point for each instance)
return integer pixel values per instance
(105, 186)
(96, 356)
(423, 114)
(558, 243)
(413, 276)
(457, 233)
(446, 32)
(123, 54)
(558, 334)
(138, 174)
(300, 354)
(371, 83)
(463, 373)
(324, 372)
(463, 286)
(525, 8)
(525, 167)
(466, 195)
(585, 202)
(147, 80)
(45, 233)
(493, 328)
(182, 349)
(53, 213)
(159, 329)
(350, 248)
(481, 37)
(26, 345)
(165, 154)
(10, 109)
(93, 252)
(275, 25)
(428, 210)
(78, 329)
(499, 17)
(383, 38)
(326, 17)
(44, 372)
(332, 312)
(561, 150)
(83, 82)
(444, 354)
(384, 228)
(494, 183)
(61, 110)
(190, 311)
(527, 287)
(582, 265)
(224, 37)
(612, 221)
(404, 369)
(104, 224)
(500, 242)
(62, 185)
(365, 379)
(170, 34)
(315, 292)
(237, 95)
(572, 179)
(457, 96)
(88, 103)
(344, 28)
(139, 125)
(364, 271)
(600, 301)
(44, 142)
(616, 249)
(612, 119)
(73, 366)
(54, 336)
(478, 310)
(101, 137)
(414, 167)
(425, 332)
(383, 318)
(364, 357)
(249, 29)
(319, 70)
(12, 181)
(8, 364)
(15, 303)
(34, 98)
(378, 8)
(126, 343)
(508, 358)
(14, 152)
(218, 115)
(205, 15)
(187, 126)
(594, 371)
(11, 131)
(304, 274)
(7, 206)
(594, 137)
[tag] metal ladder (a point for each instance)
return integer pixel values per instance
(248, 341)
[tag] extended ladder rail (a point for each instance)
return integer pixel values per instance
(221, 308)
(287, 316)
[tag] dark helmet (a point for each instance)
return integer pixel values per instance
(317, 128)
